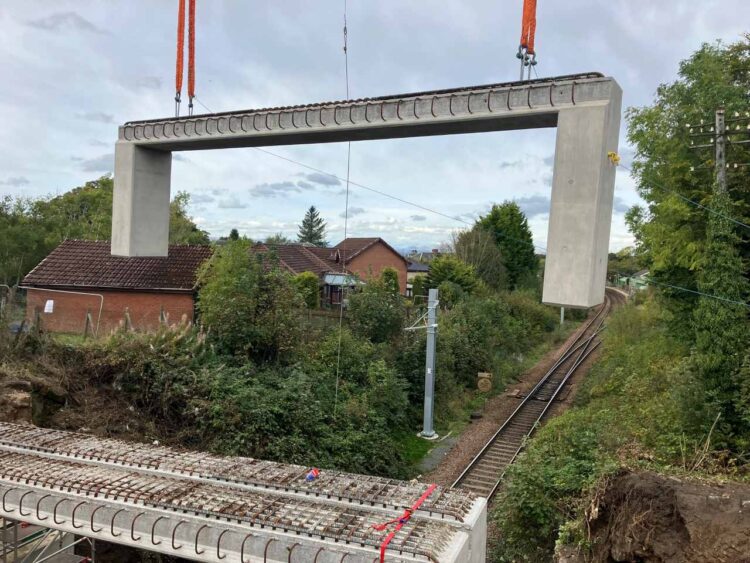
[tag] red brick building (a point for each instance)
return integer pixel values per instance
(81, 277)
(360, 257)
(368, 257)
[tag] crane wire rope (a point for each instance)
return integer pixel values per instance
(344, 277)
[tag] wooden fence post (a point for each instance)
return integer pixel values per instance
(87, 327)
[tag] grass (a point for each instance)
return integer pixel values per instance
(415, 449)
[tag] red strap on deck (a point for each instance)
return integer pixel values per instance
(405, 517)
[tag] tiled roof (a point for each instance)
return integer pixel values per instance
(89, 264)
(417, 267)
(298, 258)
(327, 255)
(352, 247)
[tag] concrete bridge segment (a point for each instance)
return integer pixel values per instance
(584, 108)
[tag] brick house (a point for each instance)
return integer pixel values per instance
(368, 257)
(298, 258)
(354, 257)
(82, 276)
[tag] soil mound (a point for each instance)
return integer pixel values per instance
(650, 518)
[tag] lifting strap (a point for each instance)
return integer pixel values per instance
(181, 55)
(180, 51)
(528, 26)
(191, 56)
(401, 521)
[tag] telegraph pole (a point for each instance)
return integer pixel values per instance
(429, 379)
(721, 152)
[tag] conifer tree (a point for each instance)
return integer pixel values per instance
(508, 224)
(312, 230)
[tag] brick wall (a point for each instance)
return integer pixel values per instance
(69, 314)
(373, 260)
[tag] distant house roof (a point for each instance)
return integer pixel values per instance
(298, 258)
(417, 267)
(350, 248)
(640, 274)
(89, 264)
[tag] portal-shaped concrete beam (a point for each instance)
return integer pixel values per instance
(585, 108)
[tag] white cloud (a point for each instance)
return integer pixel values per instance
(15, 181)
(232, 202)
(62, 21)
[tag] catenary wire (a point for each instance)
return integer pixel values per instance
(373, 190)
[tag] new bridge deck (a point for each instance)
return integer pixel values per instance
(212, 508)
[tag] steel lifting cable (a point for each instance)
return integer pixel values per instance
(346, 225)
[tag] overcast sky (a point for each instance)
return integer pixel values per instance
(73, 70)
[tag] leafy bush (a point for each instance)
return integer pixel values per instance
(633, 399)
(390, 279)
(375, 312)
(449, 268)
(419, 288)
(308, 286)
(248, 306)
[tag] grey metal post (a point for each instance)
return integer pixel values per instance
(429, 380)
(562, 316)
(721, 152)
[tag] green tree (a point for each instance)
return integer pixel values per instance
(234, 234)
(312, 230)
(31, 228)
(477, 247)
(390, 279)
(182, 229)
(722, 328)
(507, 223)
(248, 305)
(419, 287)
(277, 239)
(684, 245)
(308, 286)
(375, 312)
(670, 233)
(447, 267)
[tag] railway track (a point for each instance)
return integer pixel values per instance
(485, 472)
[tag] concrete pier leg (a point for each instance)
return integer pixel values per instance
(581, 209)
(140, 210)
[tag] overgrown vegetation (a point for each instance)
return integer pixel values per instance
(245, 382)
(671, 390)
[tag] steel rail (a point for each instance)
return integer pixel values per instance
(581, 345)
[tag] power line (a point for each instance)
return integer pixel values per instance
(717, 297)
(692, 202)
(375, 191)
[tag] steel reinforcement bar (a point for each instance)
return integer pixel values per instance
(263, 476)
